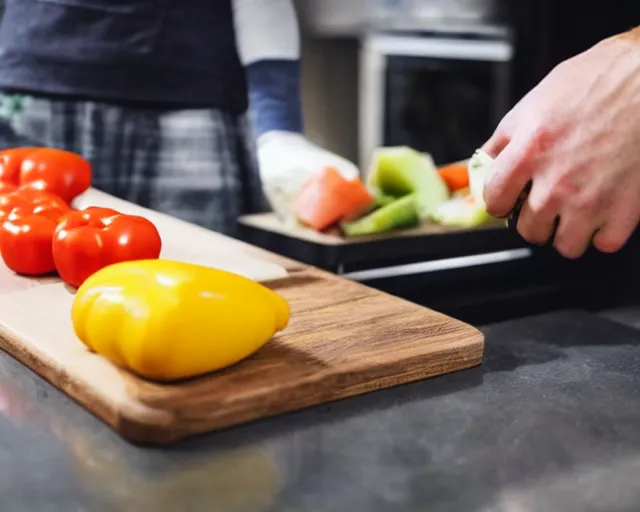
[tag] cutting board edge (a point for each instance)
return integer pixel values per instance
(143, 424)
(91, 400)
(137, 430)
(40, 364)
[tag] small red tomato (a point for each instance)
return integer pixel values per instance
(56, 171)
(87, 240)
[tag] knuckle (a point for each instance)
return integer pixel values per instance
(560, 67)
(505, 126)
(565, 189)
(587, 203)
(547, 200)
(541, 138)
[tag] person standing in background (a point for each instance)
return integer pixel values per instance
(154, 93)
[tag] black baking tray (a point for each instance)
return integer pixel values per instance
(331, 251)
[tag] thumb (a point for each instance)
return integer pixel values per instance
(502, 135)
(496, 144)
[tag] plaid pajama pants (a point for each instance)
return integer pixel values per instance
(197, 165)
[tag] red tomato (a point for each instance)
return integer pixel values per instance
(56, 171)
(10, 162)
(87, 240)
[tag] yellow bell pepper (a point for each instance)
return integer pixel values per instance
(167, 320)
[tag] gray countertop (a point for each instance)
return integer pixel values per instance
(549, 422)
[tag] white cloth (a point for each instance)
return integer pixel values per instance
(266, 30)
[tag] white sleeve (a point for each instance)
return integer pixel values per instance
(266, 30)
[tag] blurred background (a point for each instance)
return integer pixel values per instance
(438, 75)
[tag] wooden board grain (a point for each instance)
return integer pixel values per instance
(344, 339)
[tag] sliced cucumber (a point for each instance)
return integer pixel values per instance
(401, 213)
(399, 171)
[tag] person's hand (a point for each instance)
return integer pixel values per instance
(576, 139)
(286, 160)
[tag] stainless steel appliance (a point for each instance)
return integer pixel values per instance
(441, 91)
(433, 74)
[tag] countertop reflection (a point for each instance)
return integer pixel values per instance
(550, 421)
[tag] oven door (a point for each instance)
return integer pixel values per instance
(437, 94)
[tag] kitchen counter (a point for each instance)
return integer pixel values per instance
(550, 421)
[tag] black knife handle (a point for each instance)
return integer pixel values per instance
(512, 218)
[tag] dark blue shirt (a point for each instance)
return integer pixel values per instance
(167, 52)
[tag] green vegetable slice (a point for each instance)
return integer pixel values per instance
(401, 213)
(399, 171)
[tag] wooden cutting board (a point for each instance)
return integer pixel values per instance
(344, 339)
